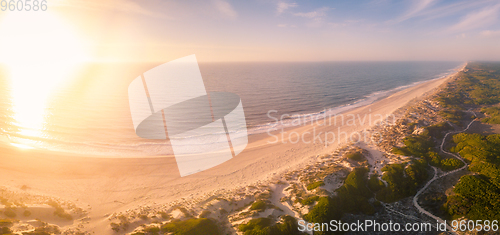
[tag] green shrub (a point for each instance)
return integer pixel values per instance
(356, 183)
(356, 156)
(457, 205)
(138, 233)
(259, 205)
(164, 215)
(310, 200)
(453, 116)
(263, 196)
(59, 212)
(483, 153)
(478, 86)
(494, 113)
(265, 226)
(439, 129)
(399, 151)
(374, 184)
(115, 227)
(152, 230)
(451, 164)
(351, 197)
(255, 224)
(402, 180)
(415, 145)
(45, 230)
(327, 209)
(315, 185)
(288, 226)
(477, 198)
(434, 159)
(191, 227)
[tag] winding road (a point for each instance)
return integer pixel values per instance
(415, 198)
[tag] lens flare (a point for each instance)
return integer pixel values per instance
(40, 51)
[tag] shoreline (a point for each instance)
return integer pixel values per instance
(347, 107)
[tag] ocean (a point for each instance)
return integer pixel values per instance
(88, 112)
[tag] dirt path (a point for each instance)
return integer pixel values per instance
(415, 198)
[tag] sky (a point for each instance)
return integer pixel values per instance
(283, 30)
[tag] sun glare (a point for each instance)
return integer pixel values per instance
(40, 51)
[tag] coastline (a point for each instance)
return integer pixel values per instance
(369, 99)
(151, 181)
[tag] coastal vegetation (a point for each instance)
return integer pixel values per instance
(351, 197)
(438, 130)
(402, 179)
(374, 184)
(478, 86)
(477, 196)
(415, 145)
(265, 226)
(423, 147)
(25, 213)
(259, 205)
(315, 185)
(310, 200)
(493, 115)
(356, 155)
(59, 211)
(191, 227)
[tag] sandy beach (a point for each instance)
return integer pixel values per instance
(104, 186)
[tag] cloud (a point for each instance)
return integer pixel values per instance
(316, 17)
(478, 19)
(225, 8)
(490, 33)
(417, 7)
(443, 11)
(320, 12)
(283, 6)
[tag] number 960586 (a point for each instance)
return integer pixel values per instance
(23, 5)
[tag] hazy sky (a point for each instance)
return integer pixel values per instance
(278, 30)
